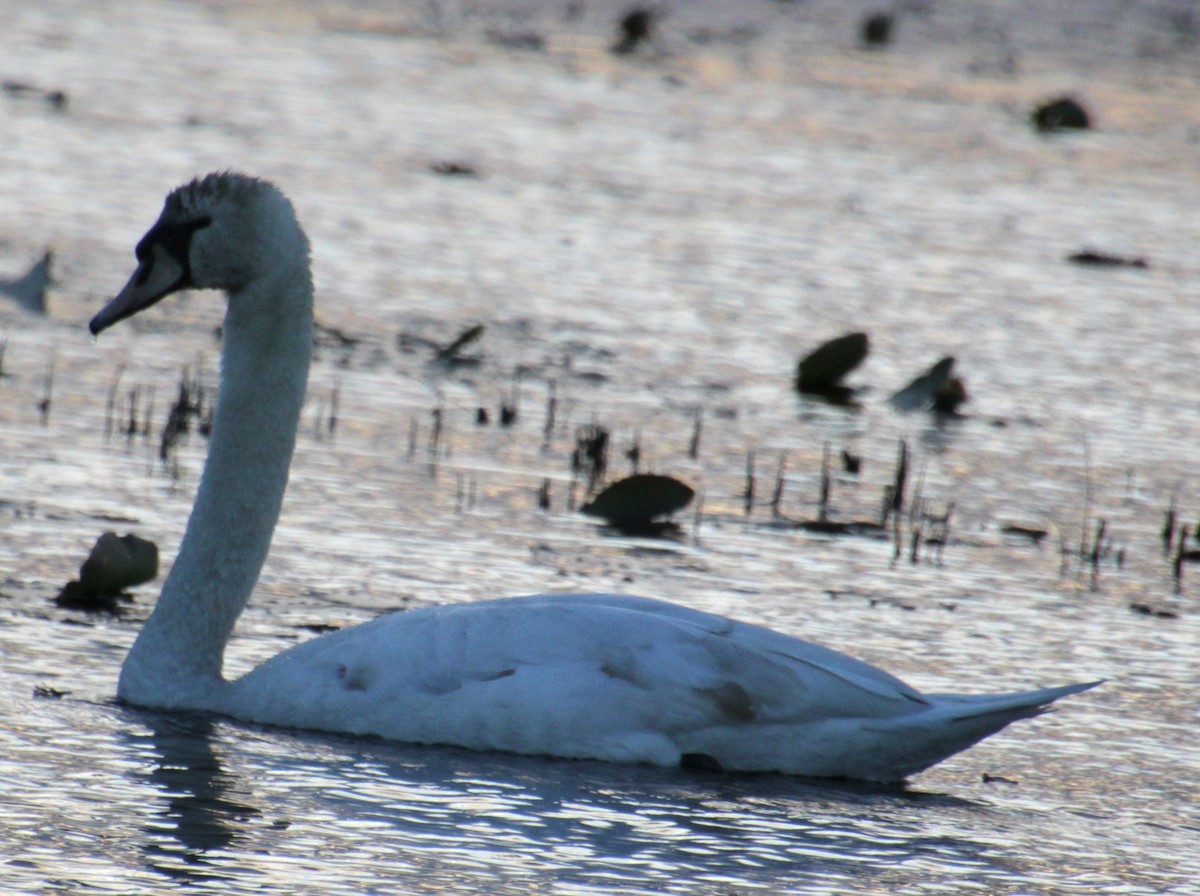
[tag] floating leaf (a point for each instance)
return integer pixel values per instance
(921, 392)
(1094, 258)
(117, 563)
(822, 369)
(1060, 114)
(639, 499)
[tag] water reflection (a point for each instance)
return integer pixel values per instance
(204, 807)
(444, 817)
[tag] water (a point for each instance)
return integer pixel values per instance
(659, 237)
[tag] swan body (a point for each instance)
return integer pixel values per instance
(598, 676)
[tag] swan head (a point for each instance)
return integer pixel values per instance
(222, 231)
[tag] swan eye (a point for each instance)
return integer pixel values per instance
(175, 239)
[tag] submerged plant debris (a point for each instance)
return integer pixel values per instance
(638, 502)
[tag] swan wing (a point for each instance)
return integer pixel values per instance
(599, 676)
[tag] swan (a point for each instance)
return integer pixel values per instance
(598, 676)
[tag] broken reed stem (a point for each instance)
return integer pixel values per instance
(551, 411)
(1177, 563)
(47, 393)
(510, 408)
(748, 491)
(335, 396)
(1168, 529)
(1085, 523)
(777, 494)
(111, 404)
(413, 437)
(900, 480)
(694, 442)
(435, 435)
(823, 499)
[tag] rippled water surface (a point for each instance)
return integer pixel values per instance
(652, 240)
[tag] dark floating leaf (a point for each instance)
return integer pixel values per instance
(115, 564)
(448, 168)
(950, 395)
(820, 372)
(876, 29)
(1061, 114)
(55, 98)
(637, 25)
(331, 337)
(1093, 258)
(29, 290)
(638, 500)
(998, 779)
(1033, 534)
(923, 391)
(1148, 610)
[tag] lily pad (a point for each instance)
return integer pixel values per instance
(638, 500)
(822, 369)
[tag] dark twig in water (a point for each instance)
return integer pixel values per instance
(326, 417)
(1177, 563)
(894, 495)
(188, 403)
(826, 486)
(334, 405)
(694, 442)
(777, 493)
(748, 491)
(633, 454)
(1168, 529)
(510, 407)
(452, 352)
(110, 406)
(435, 435)
(551, 411)
(414, 433)
(47, 394)
(590, 457)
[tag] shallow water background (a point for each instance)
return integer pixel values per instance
(660, 237)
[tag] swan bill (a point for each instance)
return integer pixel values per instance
(158, 275)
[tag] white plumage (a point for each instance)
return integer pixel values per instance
(597, 676)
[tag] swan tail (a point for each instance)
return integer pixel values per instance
(1011, 706)
(965, 720)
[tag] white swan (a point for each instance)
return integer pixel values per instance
(590, 676)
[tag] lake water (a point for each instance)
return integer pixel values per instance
(651, 239)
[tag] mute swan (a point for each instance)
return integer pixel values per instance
(599, 676)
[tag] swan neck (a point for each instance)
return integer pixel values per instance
(177, 658)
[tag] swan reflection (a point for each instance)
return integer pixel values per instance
(204, 808)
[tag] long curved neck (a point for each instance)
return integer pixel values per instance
(177, 658)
